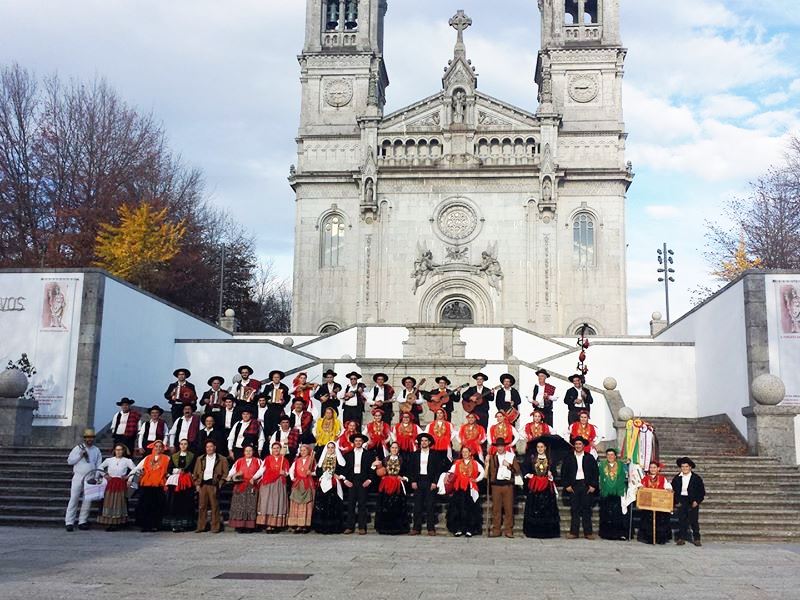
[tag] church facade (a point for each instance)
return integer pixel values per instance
(461, 208)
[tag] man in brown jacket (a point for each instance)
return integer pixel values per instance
(502, 466)
(210, 472)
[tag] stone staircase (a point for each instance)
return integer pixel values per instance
(748, 498)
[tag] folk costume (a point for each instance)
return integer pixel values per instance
(278, 398)
(210, 472)
(244, 391)
(343, 444)
(586, 431)
(541, 519)
(357, 471)
(425, 467)
(327, 429)
(443, 434)
(185, 429)
(328, 501)
(464, 510)
(378, 434)
(580, 472)
(353, 400)
(613, 485)
(542, 398)
(481, 410)
(115, 499)
(244, 502)
(179, 393)
(288, 438)
(505, 431)
(273, 501)
(577, 399)
(152, 500)
(180, 503)
(508, 400)
(152, 430)
(301, 390)
(663, 527)
(502, 468)
(244, 433)
(303, 422)
(450, 397)
(405, 434)
(415, 402)
(535, 430)
(391, 513)
(301, 497)
(382, 397)
(125, 425)
(327, 394)
(215, 435)
(213, 400)
(84, 460)
(472, 436)
(688, 489)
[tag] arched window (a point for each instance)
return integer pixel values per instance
(590, 12)
(332, 15)
(332, 241)
(457, 311)
(351, 14)
(588, 332)
(571, 12)
(329, 329)
(583, 240)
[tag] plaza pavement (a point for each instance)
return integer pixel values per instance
(51, 564)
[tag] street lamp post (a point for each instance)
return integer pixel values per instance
(666, 260)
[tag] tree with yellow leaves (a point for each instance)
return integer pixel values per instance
(141, 244)
(737, 264)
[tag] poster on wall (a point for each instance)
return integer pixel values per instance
(43, 322)
(783, 314)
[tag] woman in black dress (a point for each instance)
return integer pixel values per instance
(541, 508)
(181, 505)
(328, 516)
(391, 516)
(464, 515)
(653, 479)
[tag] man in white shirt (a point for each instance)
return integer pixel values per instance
(426, 466)
(186, 428)
(357, 479)
(153, 429)
(580, 477)
(125, 425)
(209, 475)
(84, 458)
(689, 491)
(502, 468)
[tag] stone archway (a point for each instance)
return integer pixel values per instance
(459, 295)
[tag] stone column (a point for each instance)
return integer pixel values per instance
(770, 427)
(228, 321)
(657, 323)
(16, 412)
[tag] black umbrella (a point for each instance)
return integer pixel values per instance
(557, 446)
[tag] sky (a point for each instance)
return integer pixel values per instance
(711, 96)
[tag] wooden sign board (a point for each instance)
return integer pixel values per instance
(655, 500)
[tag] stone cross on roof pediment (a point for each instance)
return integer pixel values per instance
(459, 71)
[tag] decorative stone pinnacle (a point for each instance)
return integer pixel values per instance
(460, 21)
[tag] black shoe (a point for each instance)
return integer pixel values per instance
(69, 528)
(83, 526)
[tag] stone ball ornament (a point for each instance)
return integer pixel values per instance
(288, 342)
(625, 413)
(657, 316)
(13, 383)
(610, 383)
(230, 313)
(768, 390)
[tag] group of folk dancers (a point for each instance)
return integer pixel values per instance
(294, 464)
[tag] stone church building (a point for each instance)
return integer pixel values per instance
(461, 208)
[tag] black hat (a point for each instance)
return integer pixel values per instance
(355, 436)
(243, 367)
(246, 408)
(125, 401)
(500, 442)
(329, 372)
(156, 407)
(579, 438)
(542, 372)
(508, 376)
(187, 372)
(579, 376)
(685, 460)
(408, 378)
(384, 375)
(353, 374)
(278, 371)
(443, 378)
(425, 435)
(216, 378)
(480, 374)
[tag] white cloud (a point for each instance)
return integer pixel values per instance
(775, 122)
(775, 99)
(727, 106)
(794, 87)
(651, 118)
(663, 211)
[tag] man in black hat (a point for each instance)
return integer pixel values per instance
(577, 398)
(410, 395)
(689, 492)
(213, 399)
(507, 397)
(125, 425)
(543, 396)
(501, 469)
(328, 392)
(424, 469)
(357, 473)
(277, 395)
(382, 396)
(580, 477)
(246, 388)
(352, 397)
(246, 431)
(479, 390)
(443, 396)
(151, 430)
(180, 392)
